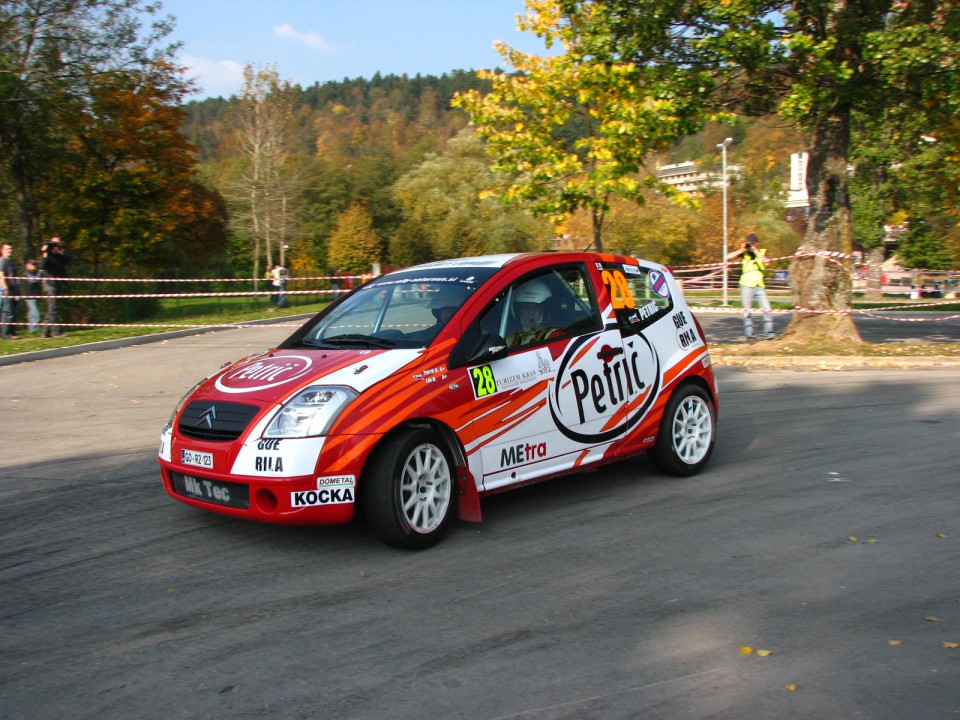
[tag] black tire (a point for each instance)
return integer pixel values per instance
(687, 434)
(408, 490)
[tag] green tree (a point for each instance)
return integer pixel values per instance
(570, 132)
(901, 180)
(51, 52)
(654, 70)
(445, 197)
(354, 245)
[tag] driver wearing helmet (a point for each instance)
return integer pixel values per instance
(532, 314)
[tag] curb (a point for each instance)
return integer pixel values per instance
(835, 362)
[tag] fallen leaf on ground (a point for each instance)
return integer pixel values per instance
(931, 618)
(764, 653)
(792, 687)
(746, 650)
(951, 645)
(895, 642)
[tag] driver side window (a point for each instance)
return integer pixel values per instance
(543, 307)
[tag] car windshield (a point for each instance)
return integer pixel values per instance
(402, 309)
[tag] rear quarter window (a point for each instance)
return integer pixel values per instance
(640, 295)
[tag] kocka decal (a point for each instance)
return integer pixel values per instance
(263, 373)
(602, 391)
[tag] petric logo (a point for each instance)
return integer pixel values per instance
(594, 402)
(263, 373)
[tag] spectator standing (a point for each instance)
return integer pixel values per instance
(32, 286)
(9, 280)
(53, 268)
(753, 260)
(279, 279)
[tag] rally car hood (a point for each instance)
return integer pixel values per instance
(274, 375)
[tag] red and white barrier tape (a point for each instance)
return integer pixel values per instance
(333, 278)
(250, 293)
(171, 326)
(829, 254)
(868, 313)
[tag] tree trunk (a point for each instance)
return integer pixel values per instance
(24, 204)
(596, 217)
(820, 282)
(875, 275)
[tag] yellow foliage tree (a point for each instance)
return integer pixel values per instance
(354, 245)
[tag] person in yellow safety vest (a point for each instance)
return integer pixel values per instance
(753, 261)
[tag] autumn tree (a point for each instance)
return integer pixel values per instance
(652, 71)
(264, 192)
(354, 245)
(123, 188)
(51, 53)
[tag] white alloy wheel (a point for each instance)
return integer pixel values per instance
(408, 488)
(688, 430)
(425, 488)
(692, 430)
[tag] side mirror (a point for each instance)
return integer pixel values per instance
(475, 347)
(490, 347)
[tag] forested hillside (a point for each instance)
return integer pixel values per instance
(392, 147)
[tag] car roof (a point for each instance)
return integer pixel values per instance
(504, 259)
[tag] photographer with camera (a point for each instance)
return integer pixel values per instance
(753, 260)
(53, 269)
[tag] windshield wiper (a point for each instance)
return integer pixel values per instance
(312, 343)
(358, 339)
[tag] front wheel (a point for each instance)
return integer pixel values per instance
(408, 489)
(687, 432)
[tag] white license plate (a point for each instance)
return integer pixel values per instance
(196, 458)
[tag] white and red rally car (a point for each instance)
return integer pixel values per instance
(427, 388)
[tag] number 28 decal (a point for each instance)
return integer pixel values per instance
(619, 289)
(484, 383)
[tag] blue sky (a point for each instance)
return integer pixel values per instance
(320, 40)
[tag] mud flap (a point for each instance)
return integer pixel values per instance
(468, 502)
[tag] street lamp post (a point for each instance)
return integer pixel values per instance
(723, 150)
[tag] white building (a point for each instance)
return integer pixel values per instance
(688, 177)
(797, 196)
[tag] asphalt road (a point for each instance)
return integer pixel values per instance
(826, 530)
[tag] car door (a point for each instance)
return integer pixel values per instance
(652, 334)
(545, 399)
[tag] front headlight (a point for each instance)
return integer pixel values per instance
(310, 412)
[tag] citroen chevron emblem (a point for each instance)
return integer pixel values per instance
(209, 415)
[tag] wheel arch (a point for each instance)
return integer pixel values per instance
(663, 454)
(700, 382)
(468, 499)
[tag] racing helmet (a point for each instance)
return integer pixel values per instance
(534, 293)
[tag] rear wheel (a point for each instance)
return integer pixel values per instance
(407, 490)
(687, 432)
